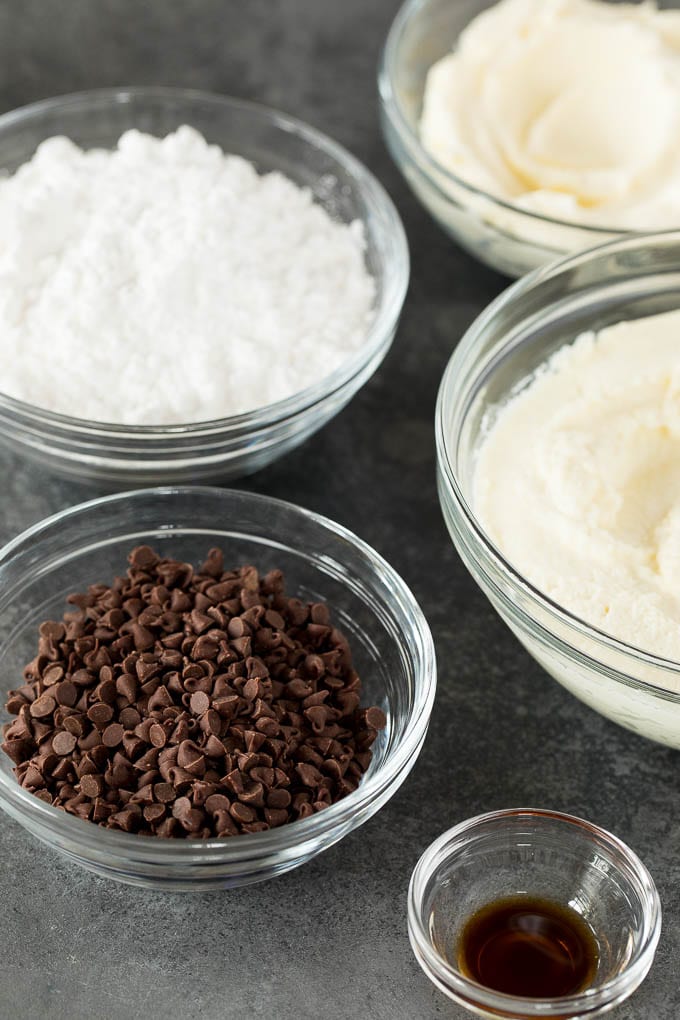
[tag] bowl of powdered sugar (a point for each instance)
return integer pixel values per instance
(190, 285)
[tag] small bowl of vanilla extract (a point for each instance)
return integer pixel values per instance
(532, 913)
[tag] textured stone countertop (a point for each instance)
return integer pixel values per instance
(328, 940)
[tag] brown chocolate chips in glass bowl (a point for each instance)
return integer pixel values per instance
(200, 703)
(391, 644)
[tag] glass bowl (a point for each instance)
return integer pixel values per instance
(391, 640)
(498, 233)
(627, 279)
(548, 855)
(234, 446)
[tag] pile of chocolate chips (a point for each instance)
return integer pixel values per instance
(190, 703)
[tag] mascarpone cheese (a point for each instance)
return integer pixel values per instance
(566, 108)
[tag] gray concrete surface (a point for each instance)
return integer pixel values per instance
(328, 940)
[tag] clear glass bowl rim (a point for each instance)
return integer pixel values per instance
(595, 997)
(386, 313)
(431, 166)
(448, 394)
(256, 845)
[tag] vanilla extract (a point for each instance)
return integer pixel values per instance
(529, 947)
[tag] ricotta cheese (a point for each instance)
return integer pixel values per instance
(577, 481)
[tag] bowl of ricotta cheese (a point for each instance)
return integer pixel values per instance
(533, 128)
(558, 447)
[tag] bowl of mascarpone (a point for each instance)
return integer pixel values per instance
(534, 128)
(558, 450)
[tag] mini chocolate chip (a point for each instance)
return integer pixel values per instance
(132, 745)
(254, 739)
(52, 675)
(142, 637)
(157, 735)
(126, 686)
(348, 702)
(83, 677)
(161, 698)
(269, 727)
(251, 689)
(88, 740)
(206, 647)
(142, 795)
(100, 714)
(278, 798)
(242, 812)
(319, 613)
(15, 703)
(275, 619)
(164, 792)
(317, 715)
(211, 722)
(52, 629)
(214, 747)
(154, 813)
(167, 828)
(190, 818)
(43, 706)
(180, 778)
(242, 645)
(113, 735)
(63, 770)
(200, 621)
(309, 775)
(63, 742)
(129, 718)
(142, 557)
(214, 563)
(217, 802)
(101, 810)
(146, 670)
(199, 702)
(74, 724)
(66, 693)
(298, 689)
(275, 816)
(375, 718)
(41, 731)
(121, 774)
(106, 692)
(32, 778)
(18, 749)
(124, 820)
(92, 785)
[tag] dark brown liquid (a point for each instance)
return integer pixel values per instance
(531, 947)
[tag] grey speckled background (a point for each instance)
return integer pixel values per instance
(330, 939)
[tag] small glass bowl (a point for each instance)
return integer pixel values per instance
(230, 447)
(630, 278)
(390, 638)
(498, 233)
(548, 855)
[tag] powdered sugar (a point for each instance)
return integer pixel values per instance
(165, 282)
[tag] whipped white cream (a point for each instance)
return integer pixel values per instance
(577, 481)
(567, 108)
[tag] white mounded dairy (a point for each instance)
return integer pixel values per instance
(577, 481)
(566, 108)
